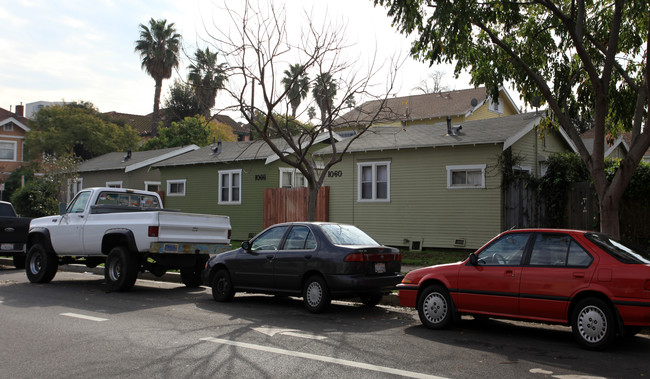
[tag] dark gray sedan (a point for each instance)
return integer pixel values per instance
(317, 261)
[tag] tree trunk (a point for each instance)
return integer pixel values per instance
(312, 202)
(609, 221)
(155, 117)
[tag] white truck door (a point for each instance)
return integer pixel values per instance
(67, 236)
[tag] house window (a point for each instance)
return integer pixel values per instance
(117, 184)
(176, 187)
(466, 176)
(496, 106)
(374, 181)
(230, 187)
(291, 178)
(9, 127)
(152, 186)
(7, 151)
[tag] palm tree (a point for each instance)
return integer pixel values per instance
(324, 91)
(296, 83)
(159, 46)
(207, 77)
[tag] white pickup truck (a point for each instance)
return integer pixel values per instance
(129, 232)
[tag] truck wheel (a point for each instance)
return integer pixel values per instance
(41, 264)
(191, 276)
(316, 296)
(222, 289)
(121, 269)
(19, 261)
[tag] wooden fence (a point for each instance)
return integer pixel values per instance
(291, 204)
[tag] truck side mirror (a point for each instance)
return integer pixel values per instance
(62, 209)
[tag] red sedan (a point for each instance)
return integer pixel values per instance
(598, 285)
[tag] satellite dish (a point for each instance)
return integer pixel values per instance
(474, 102)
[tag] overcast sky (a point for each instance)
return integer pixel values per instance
(71, 50)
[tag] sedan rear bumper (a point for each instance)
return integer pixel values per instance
(352, 285)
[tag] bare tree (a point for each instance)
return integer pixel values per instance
(432, 84)
(259, 53)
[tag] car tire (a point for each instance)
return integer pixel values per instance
(41, 265)
(435, 307)
(315, 295)
(371, 299)
(191, 276)
(222, 288)
(19, 261)
(593, 324)
(121, 269)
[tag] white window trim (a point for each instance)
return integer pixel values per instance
(114, 184)
(374, 181)
(527, 169)
(229, 173)
(8, 127)
(293, 172)
(15, 150)
(148, 183)
(454, 168)
(176, 181)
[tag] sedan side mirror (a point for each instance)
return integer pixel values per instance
(473, 259)
(246, 245)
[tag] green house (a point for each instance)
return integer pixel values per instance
(435, 185)
(229, 179)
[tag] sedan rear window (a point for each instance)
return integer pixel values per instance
(347, 235)
(619, 250)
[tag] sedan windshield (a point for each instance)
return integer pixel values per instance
(619, 250)
(347, 235)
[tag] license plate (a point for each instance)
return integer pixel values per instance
(380, 268)
(7, 246)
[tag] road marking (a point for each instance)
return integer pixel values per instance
(288, 332)
(321, 358)
(84, 317)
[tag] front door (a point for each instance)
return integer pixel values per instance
(254, 268)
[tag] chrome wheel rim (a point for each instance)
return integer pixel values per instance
(115, 269)
(36, 264)
(435, 308)
(592, 324)
(314, 294)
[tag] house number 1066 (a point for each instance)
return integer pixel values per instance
(334, 174)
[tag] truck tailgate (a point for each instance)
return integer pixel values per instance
(193, 228)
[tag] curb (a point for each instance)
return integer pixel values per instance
(172, 277)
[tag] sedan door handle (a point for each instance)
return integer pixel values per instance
(509, 273)
(578, 274)
(269, 257)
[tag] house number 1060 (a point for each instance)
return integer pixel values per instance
(334, 174)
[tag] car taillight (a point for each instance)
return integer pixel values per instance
(229, 233)
(153, 231)
(355, 257)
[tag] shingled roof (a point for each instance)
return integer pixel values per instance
(137, 159)
(6, 116)
(417, 107)
(506, 130)
(142, 124)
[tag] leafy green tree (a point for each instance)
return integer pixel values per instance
(587, 60)
(192, 130)
(16, 179)
(296, 83)
(207, 77)
(37, 198)
(324, 92)
(159, 47)
(181, 102)
(77, 128)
